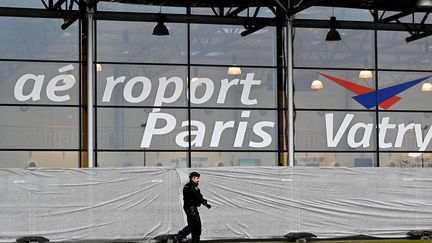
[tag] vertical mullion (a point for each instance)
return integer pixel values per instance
(188, 12)
(94, 68)
(279, 90)
(80, 34)
(376, 107)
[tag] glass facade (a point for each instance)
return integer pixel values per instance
(39, 92)
(379, 119)
(207, 96)
(173, 102)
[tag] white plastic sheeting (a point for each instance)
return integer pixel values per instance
(248, 202)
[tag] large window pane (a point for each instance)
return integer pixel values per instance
(234, 129)
(223, 44)
(123, 128)
(221, 159)
(333, 94)
(22, 159)
(405, 160)
(39, 83)
(37, 38)
(331, 130)
(405, 131)
(335, 159)
(355, 50)
(411, 97)
(145, 158)
(39, 127)
(122, 41)
(254, 87)
(395, 53)
(127, 85)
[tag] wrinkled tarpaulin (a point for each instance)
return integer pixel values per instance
(248, 202)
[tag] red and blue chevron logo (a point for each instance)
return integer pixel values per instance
(369, 98)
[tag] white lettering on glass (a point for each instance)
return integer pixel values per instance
(168, 90)
(367, 128)
(68, 81)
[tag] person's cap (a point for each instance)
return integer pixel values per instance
(192, 174)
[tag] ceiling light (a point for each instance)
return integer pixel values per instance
(194, 79)
(66, 34)
(234, 70)
(365, 74)
(333, 34)
(71, 79)
(424, 3)
(317, 84)
(160, 28)
(414, 155)
(195, 75)
(426, 87)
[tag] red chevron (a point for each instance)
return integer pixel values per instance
(359, 89)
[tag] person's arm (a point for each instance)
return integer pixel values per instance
(201, 199)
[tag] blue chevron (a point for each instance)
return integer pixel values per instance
(376, 97)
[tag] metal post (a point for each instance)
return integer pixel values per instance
(289, 55)
(90, 75)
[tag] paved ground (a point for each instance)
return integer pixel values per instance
(281, 240)
(169, 241)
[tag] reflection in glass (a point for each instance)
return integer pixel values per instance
(38, 39)
(39, 127)
(412, 98)
(255, 87)
(317, 84)
(234, 69)
(99, 67)
(333, 95)
(39, 159)
(395, 53)
(122, 41)
(365, 74)
(426, 87)
(225, 159)
(124, 128)
(216, 44)
(405, 160)
(323, 130)
(311, 49)
(34, 88)
(234, 129)
(335, 159)
(405, 131)
(145, 158)
(142, 85)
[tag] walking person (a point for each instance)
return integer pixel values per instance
(192, 198)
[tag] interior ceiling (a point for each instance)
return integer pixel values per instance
(386, 5)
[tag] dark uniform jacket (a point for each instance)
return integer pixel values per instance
(192, 196)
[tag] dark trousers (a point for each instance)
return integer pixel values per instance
(194, 224)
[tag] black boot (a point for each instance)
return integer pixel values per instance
(177, 238)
